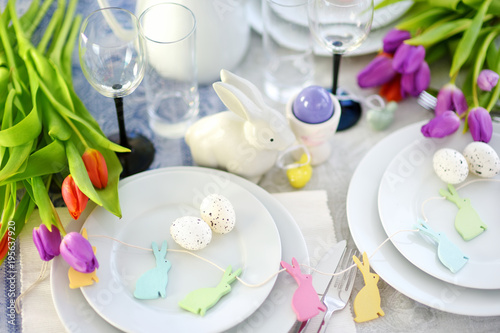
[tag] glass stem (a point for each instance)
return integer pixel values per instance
(121, 122)
(336, 65)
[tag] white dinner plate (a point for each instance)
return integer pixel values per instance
(274, 314)
(149, 206)
(382, 20)
(393, 268)
(409, 181)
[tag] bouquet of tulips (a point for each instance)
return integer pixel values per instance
(463, 30)
(47, 137)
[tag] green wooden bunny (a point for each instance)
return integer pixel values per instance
(200, 300)
(467, 222)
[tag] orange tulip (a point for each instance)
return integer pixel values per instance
(96, 167)
(391, 90)
(75, 200)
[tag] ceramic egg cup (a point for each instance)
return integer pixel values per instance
(315, 136)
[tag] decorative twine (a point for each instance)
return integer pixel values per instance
(43, 270)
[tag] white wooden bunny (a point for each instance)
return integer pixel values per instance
(245, 140)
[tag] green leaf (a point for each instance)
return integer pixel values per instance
(424, 19)
(469, 37)
(16, 163)
(42, 201)
(45, 161)
(440, 33)
(24, 131)
(451, 4)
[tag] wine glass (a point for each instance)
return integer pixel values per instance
(341, 26)
(112, 57)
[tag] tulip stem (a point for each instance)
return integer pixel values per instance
(336, 65)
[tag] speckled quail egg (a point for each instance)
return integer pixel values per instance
(482, 158)
(190, 232)
(218, 212)
(450, 165)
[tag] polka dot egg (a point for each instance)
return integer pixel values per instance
(190, 232)
(450, 166)
(218, 212)
(482, 158)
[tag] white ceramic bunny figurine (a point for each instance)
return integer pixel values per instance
(245, 140)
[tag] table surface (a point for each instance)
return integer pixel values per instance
(349, 147)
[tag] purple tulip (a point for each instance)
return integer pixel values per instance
(78, 253)
(47, 242)
(377, 72)
(487, 79)
(440, 126)
(393, 39)
(480, 124)
(414, 83)
(450, 98)
(408, 58)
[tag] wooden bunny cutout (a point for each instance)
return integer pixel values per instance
(467, 222)
(200, 300)
(245, 140)
(305, 302)
(153, 283)
(367, 302)
(448, 253)
(78, 279)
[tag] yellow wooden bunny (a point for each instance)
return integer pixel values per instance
(367, 301)
(77, 279)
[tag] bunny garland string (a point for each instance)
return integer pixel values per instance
(467, 222)
(367, 302)
(153, 283)
(305, 302)
(200, 300)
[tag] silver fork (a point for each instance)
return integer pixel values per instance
(428, 102)
(339, 289)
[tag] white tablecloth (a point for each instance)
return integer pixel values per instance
(309, 208)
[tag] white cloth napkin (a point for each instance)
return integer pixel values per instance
(309, 208)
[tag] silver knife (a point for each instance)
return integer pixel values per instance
(328, 263)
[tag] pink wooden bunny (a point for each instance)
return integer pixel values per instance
(305, 302)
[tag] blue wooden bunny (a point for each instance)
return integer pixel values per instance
(153, 283)
(448, 253)
(467, 222)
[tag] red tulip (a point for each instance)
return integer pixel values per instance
(75, 200)
(4, 244)
(391, 90)
(96, 167)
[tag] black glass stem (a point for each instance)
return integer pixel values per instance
(336, 66)
(142, 151)
(121, 122)
(351, 110)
